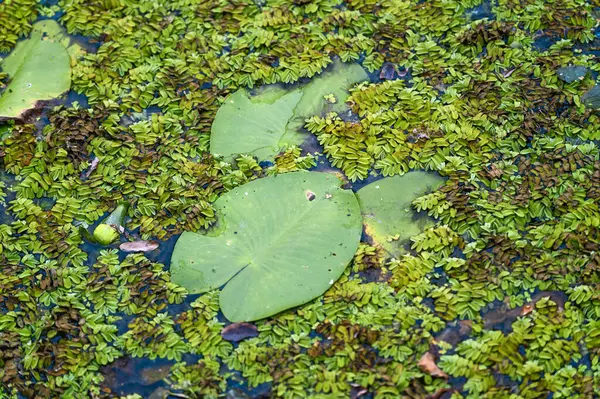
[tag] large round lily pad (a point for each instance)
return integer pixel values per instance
(264, 122)
(282, 241)
(39, 68)
(386, 206)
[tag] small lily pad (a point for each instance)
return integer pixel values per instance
(253, 124)
(274, 248)
(572, 73)
(152, 375)
(270, 119)
(333, 83)
(39, 69)
(160, 393)
(591, 99)
(386, 206)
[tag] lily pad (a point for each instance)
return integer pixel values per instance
(52, 31)
(591, 98)
(272, 118)
(334, 82)
(572, 73)
(281, 241)
(386, 206)
(39, 69)
(246, 124)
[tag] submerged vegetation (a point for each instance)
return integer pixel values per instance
(499, 298)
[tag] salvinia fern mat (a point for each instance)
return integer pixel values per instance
(303, 198)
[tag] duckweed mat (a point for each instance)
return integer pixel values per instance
(498, 298)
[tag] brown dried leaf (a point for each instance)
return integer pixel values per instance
(427, 365)
(387, 71)
(526, 309)
(494, 171)
(441, 393)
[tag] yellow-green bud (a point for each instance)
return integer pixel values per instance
(105, 234)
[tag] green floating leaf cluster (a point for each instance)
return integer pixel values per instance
(502, 292)
(16, 17)
(201, 380)
(58, 323)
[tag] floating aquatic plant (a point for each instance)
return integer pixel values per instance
(388, 214)
(502, 291)
(253, 125)
(592, 97)
(270, 120)
(38, 69)
(16, 17)
(283, 241)
(572, 73)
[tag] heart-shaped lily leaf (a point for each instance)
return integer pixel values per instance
(253, 124)
(39, 68)
(386, 206)
(271, 119)
(282, 241)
